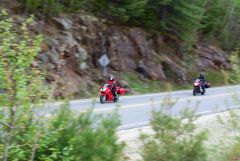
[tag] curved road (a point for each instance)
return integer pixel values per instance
(135, 111)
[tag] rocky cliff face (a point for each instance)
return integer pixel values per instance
(74, 43)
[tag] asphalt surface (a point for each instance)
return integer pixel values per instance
(135, 111)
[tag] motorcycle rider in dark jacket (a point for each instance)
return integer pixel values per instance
(112, 82)
(202, 80)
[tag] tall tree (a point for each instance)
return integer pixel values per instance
(125, 10)
(180, 17)
(185, 18)
(221, 22)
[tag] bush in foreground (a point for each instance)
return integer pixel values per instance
(175, 139)
(25, 133)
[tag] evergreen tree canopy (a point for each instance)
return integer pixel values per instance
(213, 20)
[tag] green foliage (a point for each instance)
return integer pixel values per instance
(86, 137)
(175, 139)
(125, 10)
(234, 152)
(23, 86)
(181, 18)
(25, 134)
(69, 138)
(220, 22)
(233, 76)
(186, 19)
(214, 17)
(176, 17)
(144, 86)
(50, 7)
(17, 75)
(140, 86)
(232, 122)
(213, 76)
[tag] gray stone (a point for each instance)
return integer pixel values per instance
(43, 57)
(83, 65)
(63, 22)
(82, 53)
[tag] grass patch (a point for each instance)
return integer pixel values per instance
(140, 86)
(144, 86)
(152, 86)
(215, 77)
(234, 153)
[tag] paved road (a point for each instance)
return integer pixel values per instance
(135, 111)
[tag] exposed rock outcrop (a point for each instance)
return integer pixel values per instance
(212, 57)
(74, 43)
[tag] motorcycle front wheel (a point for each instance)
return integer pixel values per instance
(194, 92)
(102, 99)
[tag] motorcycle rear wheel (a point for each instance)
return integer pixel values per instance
(117, 98)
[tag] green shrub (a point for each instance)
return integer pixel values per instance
(23, 86)
(174, 139)
(86, 137)
(233, 76)
(25, 135)
(234, 152)
(50, 7)
(232, 123)
(125, 10)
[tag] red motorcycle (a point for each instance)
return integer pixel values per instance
(198, 87)
(106, 94)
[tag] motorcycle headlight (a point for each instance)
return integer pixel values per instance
(195, 84)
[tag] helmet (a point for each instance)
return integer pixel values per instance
(111, 77)
(201, 75)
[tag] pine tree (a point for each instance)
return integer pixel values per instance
(49, 7)
(185, 18)
(214, 18)
(179, 17)
(221, 22)
(156, 13)
(124, 10)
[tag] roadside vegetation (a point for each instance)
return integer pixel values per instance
(27, 134)
(233, 123)
(144, 86)
(139, 85)
(175, 138)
